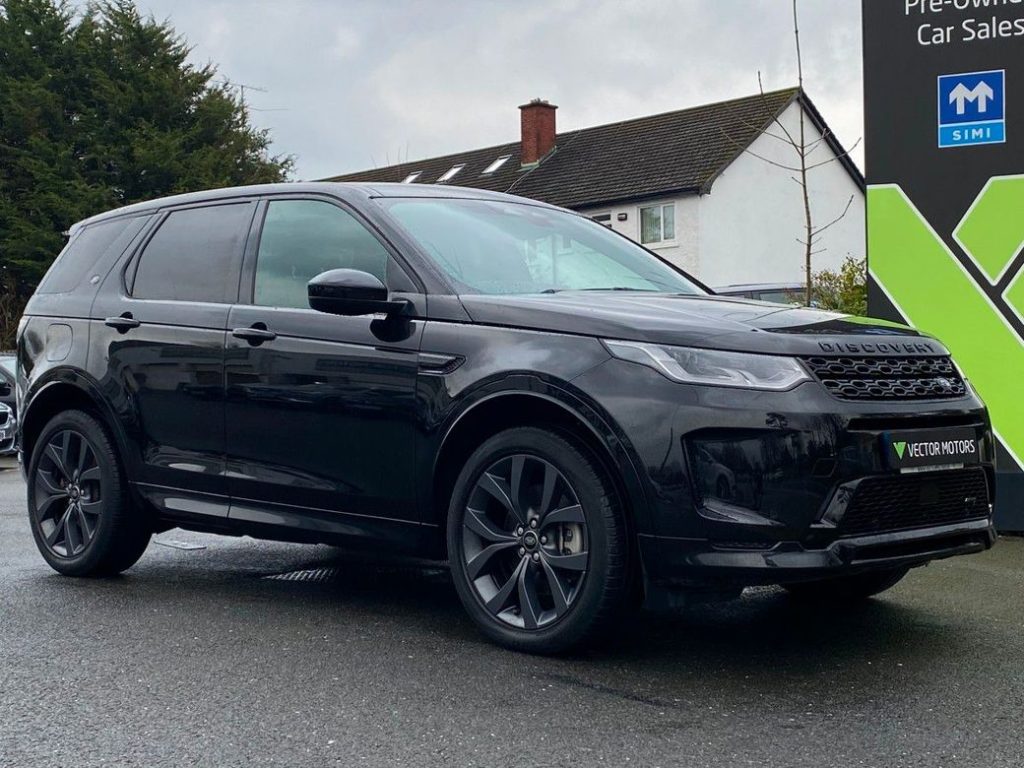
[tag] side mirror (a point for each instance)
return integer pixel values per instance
(350, 292)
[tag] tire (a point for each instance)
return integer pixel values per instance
(847, 588)
(547, 588)
(78, 501)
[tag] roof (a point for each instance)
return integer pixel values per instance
(673, 152)
(313, 187)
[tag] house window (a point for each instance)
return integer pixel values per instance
(603, 218)
(658, 223)
(450, 173)
(411, 177)
(495, 165)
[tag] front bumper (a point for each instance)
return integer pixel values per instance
(700, 563)
(749, 487)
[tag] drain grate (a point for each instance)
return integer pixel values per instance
(334, 574)
(313, 575)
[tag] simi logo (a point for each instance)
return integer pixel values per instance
(972, 108)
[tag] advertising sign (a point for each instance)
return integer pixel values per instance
(944, 144)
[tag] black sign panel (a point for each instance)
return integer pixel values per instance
(944, 144)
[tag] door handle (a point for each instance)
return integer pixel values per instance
(255, 334)
(123, 322)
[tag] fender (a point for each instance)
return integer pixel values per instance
(66, 376)
(576, 405)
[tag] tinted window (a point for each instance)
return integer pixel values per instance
(783, 296)
(195, 255)
(76, 262)
(301, 239)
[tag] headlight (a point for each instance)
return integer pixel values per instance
(714, 367)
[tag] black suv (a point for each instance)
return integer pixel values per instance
(574, 424)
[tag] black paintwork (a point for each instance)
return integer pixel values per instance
(296, 424)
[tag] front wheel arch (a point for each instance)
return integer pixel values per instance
(503, 410)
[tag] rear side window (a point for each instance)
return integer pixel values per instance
(195, 255)
(77, 261)
(301, 239)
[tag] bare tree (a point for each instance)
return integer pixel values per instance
(803, 163)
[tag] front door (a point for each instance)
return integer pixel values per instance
(321, 409)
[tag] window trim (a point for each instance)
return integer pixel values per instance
(247, 278)
(662, 241)
(412, 177)
(160, 216)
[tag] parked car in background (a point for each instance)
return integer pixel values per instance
(8, 429)
(570, 421)
(8, 404)
(777, 293)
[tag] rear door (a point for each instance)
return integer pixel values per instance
(161, 326)
(321, 409)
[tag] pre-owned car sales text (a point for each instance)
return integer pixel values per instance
(967, 30)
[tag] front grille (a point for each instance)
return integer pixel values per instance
(916, 500)
(5, 416)
(888, 378)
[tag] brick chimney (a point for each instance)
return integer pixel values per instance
(537, 122)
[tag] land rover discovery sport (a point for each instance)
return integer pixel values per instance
(573, 423)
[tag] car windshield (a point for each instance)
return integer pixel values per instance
(497, 247)
(7, 363)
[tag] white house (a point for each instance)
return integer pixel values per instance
(704, 187)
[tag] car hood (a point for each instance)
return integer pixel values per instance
(714, 322)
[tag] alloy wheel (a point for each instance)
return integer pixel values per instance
(68, 499)
(524, 543)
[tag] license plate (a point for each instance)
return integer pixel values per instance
(931, 448)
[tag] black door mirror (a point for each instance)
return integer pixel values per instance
(350, 292)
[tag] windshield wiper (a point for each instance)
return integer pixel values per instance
(622, 288)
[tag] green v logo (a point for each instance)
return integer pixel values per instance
(900, 448)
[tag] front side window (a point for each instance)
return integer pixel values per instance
(303, 238)
(658, 223)
(493, 247)
(195, 255)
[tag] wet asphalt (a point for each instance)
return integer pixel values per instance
(231, 652)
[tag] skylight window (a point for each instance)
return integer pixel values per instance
(450, 173)
(495, 165)
(411, 177)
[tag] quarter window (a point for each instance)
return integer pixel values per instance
(658, 223)
(195, 255)
(303, 238)
(83, 253)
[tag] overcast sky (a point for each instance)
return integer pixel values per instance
(353, 84)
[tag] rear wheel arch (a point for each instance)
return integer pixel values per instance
(504, 410)
(68, 394)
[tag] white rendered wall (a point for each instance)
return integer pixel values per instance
(745, 230)
(750, 221)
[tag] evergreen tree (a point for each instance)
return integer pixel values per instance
(98, 109)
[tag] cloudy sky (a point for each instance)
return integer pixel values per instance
(354, 84)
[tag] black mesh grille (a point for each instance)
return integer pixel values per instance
(888, 378)
(917, 500)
